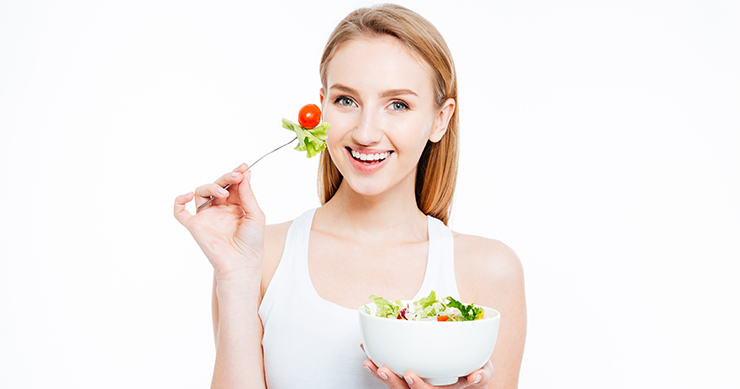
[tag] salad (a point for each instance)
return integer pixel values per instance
(427, 309)
(309, 130)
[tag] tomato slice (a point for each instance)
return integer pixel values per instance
(443, 318)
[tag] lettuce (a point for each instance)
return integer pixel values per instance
(386, 308)
(428, 307)
(312, 141)
(468, 312)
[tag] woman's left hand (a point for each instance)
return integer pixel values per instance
(476, 379)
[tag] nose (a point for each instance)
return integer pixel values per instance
(367, 132)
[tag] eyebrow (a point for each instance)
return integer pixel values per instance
(398, 92)
(385, 93)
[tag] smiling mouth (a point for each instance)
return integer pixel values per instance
(369, 158)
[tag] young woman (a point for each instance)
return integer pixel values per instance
(285, 296)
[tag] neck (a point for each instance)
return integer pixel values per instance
(390, 216)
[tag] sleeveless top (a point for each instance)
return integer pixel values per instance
(309, 342)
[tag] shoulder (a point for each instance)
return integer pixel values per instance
(485, 268)
(275, 235)
(489, 273)
(490, 256)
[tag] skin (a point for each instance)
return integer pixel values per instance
(379, 98)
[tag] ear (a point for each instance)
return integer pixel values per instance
(321, 96)
(443, 120)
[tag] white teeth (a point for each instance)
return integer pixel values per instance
(370, 157)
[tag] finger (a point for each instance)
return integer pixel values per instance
(229, 178)
(390, 379)
(480, 378)
(181, 214)
(204, 193)
(415, 382)
(249, 201)
(207, 192)
(371, 368)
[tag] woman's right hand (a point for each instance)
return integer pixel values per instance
(229, 230)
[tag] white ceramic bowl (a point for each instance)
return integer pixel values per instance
(439, 352)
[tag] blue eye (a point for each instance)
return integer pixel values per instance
(399, 106)
(344, 101)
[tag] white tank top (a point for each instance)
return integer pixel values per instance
(310, 342)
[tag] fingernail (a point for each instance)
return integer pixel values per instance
(249, 176)
(409, 380)
(234, 174)
(382, 375)
(477, 380)
(368, 369)
(186, 194)
(238, 167)
(223, 191)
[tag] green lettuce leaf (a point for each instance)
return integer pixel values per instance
(386, 308)
(427, 301)
(469, 312)
(311, 141)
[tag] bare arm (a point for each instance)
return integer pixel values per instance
(239, 360)
(230, 231)
(489, 273)
(214, 311)
(274, 245)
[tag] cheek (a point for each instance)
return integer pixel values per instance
(341, 123)
(333, 138)
(416, 132)
(338, 129)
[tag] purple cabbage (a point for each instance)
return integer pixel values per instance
(402, 314)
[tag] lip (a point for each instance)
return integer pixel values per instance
(366, 168)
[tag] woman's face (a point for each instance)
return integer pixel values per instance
(381, 106)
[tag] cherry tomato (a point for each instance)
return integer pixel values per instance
(309, 116)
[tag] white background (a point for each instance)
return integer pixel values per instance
(600, 140)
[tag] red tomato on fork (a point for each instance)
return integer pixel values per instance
(309, 116)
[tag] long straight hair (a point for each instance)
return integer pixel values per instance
(436, 173)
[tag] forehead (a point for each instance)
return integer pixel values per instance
(376, 63)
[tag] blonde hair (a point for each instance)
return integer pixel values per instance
(436, 173)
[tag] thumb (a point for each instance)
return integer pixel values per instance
(181, 214)
(249, 201)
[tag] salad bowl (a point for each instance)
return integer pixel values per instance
(438, 351)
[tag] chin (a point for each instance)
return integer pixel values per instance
(366, 189)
